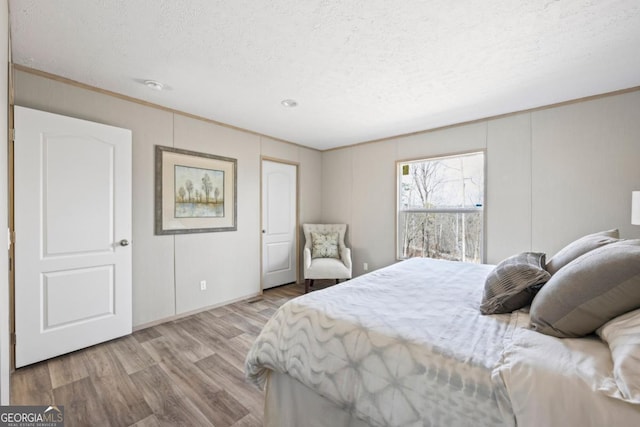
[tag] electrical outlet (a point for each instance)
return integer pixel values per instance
(203, 285)
(365, 266)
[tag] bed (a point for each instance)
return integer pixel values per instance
(406, 345)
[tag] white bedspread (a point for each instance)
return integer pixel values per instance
(562, 382)
(407, 346)
(402, 346)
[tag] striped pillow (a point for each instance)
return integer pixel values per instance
(513, 283)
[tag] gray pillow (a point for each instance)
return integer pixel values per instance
(513, 283)
(580, 247)
(589, 291)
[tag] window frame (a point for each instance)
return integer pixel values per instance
(483, 209)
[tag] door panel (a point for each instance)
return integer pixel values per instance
(69, 226)
(279, 257)
(94, 286)
(72, 209)
(279, 201)
(279, 222)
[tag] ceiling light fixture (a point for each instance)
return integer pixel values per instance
(152, 84)
(289, 103)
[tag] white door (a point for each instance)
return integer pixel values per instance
(279, 223)
(72, 184)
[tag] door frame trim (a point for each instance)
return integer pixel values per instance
(11, 228)
(11, 351)
(297, 234)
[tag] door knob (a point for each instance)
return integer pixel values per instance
(264, 231)
(124, 242)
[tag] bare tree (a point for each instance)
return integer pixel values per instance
(426, 179)
(216, 194)
(207, 186)
(181, 194)
(189, 186)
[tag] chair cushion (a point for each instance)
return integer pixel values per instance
(327, 268)
(324, 245)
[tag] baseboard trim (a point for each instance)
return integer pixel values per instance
(192, 312)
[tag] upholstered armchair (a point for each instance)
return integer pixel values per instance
(325, 254)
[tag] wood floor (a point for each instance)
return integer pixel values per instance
(188, 372)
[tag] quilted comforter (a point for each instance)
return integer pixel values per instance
(402, 346)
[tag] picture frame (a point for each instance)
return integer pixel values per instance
(194, 192)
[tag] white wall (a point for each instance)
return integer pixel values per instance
(552, 175)
(586, 162)
(508, 198)
(4, 271)
(167, 269)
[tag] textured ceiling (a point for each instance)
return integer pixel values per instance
(359, 69)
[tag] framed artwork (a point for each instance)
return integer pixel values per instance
(195, 192)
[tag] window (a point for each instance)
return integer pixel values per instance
(440, 208)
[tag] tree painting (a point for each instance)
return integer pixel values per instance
(181, 194)
(188, 185)
(193, 202)
(206, 186)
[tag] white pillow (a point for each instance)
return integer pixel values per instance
(623, 336)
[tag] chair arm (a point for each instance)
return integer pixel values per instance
(307, 258)
(345, 255)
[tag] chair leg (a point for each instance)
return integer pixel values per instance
(308, 283)
(337, 281)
